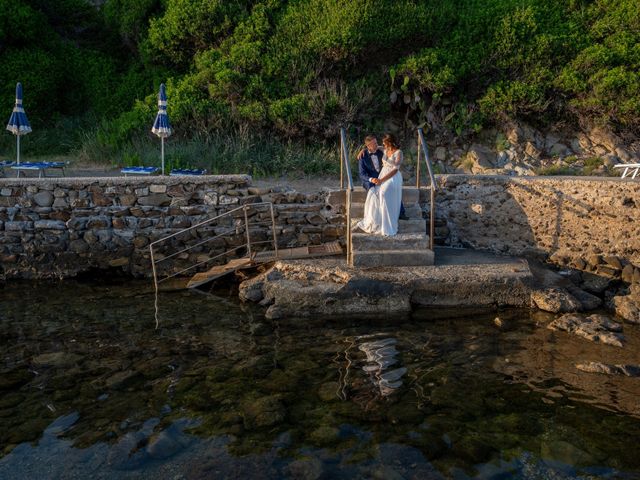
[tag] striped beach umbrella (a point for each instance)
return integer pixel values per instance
(161, 126)
(18, 123)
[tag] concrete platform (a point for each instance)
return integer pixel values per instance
(460, 278)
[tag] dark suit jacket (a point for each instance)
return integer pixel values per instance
(366, 168)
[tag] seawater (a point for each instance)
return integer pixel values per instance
(90, 388)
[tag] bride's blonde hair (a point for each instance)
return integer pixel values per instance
(390, 139)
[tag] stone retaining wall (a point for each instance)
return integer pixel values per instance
(587, 223)
(61, 227)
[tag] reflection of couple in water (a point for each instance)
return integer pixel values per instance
(379, 171)
(380, 365)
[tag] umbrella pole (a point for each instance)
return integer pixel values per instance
(162, 153)
(18, 148)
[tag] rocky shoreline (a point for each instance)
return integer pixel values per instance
(520, 149)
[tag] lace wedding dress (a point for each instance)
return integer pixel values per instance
(382, 206)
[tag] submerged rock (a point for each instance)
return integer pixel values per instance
(597, 328)
(308, 468)
(56, 359)
(263, 412)
(608, 369)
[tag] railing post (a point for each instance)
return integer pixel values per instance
(432, 217)
(246, 226)
(345, 161)
(418, 164)
(341, 161)
(273, 228)
(432, 198)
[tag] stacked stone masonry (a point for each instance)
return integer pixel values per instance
(62, 227)
(588, 223)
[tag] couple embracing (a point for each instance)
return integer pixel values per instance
(380, 175)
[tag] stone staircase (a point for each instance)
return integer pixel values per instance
(409, 247)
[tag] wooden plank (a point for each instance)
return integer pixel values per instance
(218, 271)
(333, 248)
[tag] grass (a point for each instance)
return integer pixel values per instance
(217, 153)
(227, 154)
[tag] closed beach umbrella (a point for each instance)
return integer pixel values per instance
(18, 123)
(162, 127)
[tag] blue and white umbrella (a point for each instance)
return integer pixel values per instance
(18, 122)
(161, 126)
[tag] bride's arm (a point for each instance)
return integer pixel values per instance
(397, 161)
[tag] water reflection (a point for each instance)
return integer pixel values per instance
(88, 384)
(382, 354)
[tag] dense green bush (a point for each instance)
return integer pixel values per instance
(298, 69)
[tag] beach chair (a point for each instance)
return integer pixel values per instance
(628, 169)
(40, 167)
(187, 171)
(139, 170)
(5, 164)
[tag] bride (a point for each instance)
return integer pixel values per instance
(382, 206)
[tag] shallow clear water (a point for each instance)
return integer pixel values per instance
(90, 388)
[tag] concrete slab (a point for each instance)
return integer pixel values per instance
(392, 258)
(413, 212)
(407, 241)
(460, 278)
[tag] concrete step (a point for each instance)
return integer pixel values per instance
(402, 241)
(393, 258)
(404, 226)
(412, 211)
(410, 195)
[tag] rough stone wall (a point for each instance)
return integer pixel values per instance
(576, 221)
(61, 227)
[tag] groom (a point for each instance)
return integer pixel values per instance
(370, 164)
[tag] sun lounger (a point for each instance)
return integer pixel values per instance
(40, 167)
(187, 171)
(628, 167)
(6, 164)
(139, 170)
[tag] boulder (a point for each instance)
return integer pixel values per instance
(251, 290)
(628, 307)
(481, 158)
(587, 301)
(627, 273)
(531, 150)
(440, 154)
(603, 137)
(594, 283)
(555, 300)
(559, 150)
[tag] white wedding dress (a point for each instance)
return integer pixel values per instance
(382, 207)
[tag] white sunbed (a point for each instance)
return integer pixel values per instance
(628, 168)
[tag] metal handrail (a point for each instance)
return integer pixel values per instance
(246, 223)
(422, 143)
(344, 165)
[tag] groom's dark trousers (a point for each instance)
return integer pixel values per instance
(367, 170)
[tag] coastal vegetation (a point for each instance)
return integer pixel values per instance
(260, 86)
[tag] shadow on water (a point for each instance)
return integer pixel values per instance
(90, 386)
